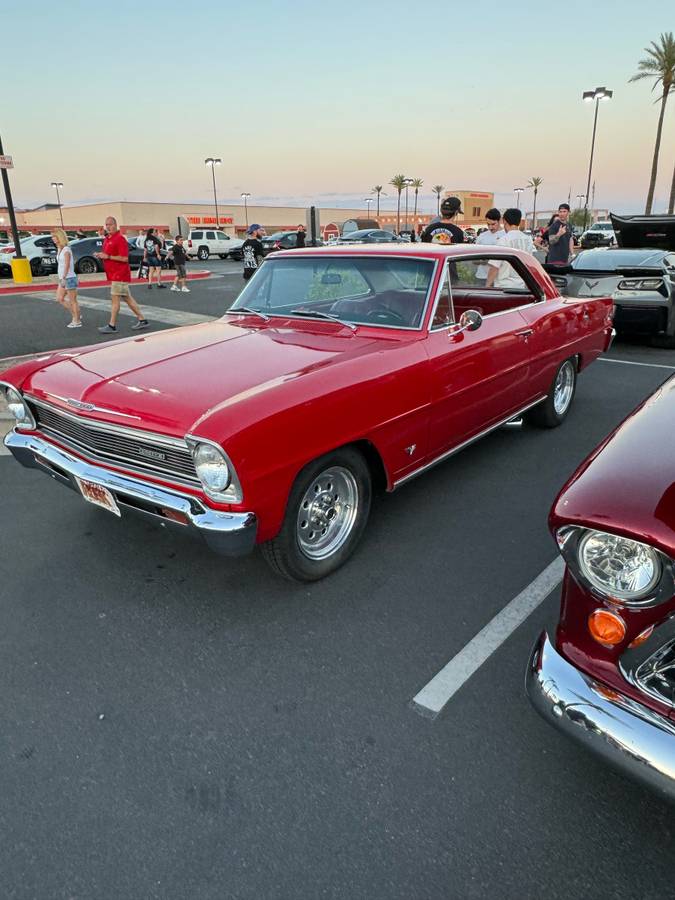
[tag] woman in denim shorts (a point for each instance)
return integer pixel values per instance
(67, 279)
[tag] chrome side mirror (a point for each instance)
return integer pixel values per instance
(471, 320)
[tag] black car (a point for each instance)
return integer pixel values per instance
(284, 240)
(86, 263)
(370, 236)
(640, 280)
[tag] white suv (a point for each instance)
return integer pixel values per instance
(202, 243)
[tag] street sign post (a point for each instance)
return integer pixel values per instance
(22, 266)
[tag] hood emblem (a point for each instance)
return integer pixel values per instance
(78, 404)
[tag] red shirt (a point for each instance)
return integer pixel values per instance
(116, 245)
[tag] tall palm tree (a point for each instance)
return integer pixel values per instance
(438, 190)
(398, 181)
(659, 65)
(535, 184)
(417, 184)
(378, 190)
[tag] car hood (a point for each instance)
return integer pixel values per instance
(645, 231)
(627, 485)
(168, 381)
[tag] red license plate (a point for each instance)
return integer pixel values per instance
(98, 495)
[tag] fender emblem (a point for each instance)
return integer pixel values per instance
(411, 449)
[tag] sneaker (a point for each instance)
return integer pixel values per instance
(174, 288)
(149, 287)
(138, 324)
(161, 287)
(74, 325)
(108, 329)
(185, 290)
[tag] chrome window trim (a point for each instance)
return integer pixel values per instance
(389, 256)
(451, 452)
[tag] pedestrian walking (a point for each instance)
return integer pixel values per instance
(180, 261)
(115, 256)
(560, 238)
(300, 241)
(152, 257)
(140, 240)
(67, 283)
(252, 249)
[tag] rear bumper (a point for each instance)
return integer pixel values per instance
(627, 735)
(229, 534)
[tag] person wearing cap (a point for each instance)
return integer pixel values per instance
(252, 249)
(445, 231)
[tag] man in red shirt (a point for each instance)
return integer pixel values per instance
(115, 256)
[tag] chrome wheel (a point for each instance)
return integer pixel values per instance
(563, 389)
(327, 513)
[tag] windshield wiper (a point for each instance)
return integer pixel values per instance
(317, 314)
(246, 311)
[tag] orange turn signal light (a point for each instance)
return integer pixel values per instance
(642, 637)
(606, 627)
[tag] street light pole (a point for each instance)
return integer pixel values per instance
(57, 185)
(600, 93)
(407, 182)
(213, 162)
(517, 192)
(368, 201)
(245, 197)
(10, 209)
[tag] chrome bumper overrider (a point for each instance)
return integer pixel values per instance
(230, 534)
(624, 733)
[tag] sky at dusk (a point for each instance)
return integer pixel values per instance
(308, 102)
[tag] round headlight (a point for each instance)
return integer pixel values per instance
(211, 468)
(617, 566)
(18, 407)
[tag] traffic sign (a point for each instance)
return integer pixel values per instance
(6, 162)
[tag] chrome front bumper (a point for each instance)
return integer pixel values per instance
(229, 534)
(624, 733)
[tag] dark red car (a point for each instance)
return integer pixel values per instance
(607, 677)
(337, 371)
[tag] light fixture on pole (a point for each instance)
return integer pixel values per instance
(580, 197)
(213, 162)
(600, 93)
(517, 192)
(57, 185)
(245, 197)
(407, 182)
(368, 201)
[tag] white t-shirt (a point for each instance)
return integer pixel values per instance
(487, 237)
(507, 277)
(61, 257)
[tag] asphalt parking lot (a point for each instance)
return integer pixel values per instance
(176, 725)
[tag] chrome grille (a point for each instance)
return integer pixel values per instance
(145, 453)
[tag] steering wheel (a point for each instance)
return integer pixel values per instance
(384, 314)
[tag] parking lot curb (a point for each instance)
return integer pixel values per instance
(46, 286)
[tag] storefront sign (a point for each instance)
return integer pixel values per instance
(209, 220)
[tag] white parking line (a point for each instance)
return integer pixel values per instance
(432, 698)
(154, 313)
(628, 362)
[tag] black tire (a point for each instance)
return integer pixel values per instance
(36, 267)
(237, 255)
(340, 471)
(665, 341)
(553, 411)
(86, 266)
(203, 253)
(223, 255)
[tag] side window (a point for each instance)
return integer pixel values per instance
(210, 235)
(44, 242)
(443, 314)
(197, 235)
(222, 236)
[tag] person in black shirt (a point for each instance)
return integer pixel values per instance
(180, 260)
(300, 243)
(445, 231)
(152, 257)
(252, 249)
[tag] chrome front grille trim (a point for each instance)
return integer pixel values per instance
(116, 444)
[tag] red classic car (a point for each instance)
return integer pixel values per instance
(608, 679)
(336, 370)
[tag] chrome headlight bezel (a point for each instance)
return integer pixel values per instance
(572, 540)
(18, 407)
(231, 492)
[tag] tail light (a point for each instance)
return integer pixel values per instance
(641, 284)
(189, 243)
(7, 249)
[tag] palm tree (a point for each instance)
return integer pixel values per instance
(417, 184)
(378, 190)
(535, 184)
(671, 202)
(438, 190)
(398, 181)
(659, 65)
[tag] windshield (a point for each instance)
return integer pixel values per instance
(610, 260)
(602, 226)
(370, 290)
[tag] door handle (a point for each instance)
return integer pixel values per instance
(526, 333)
